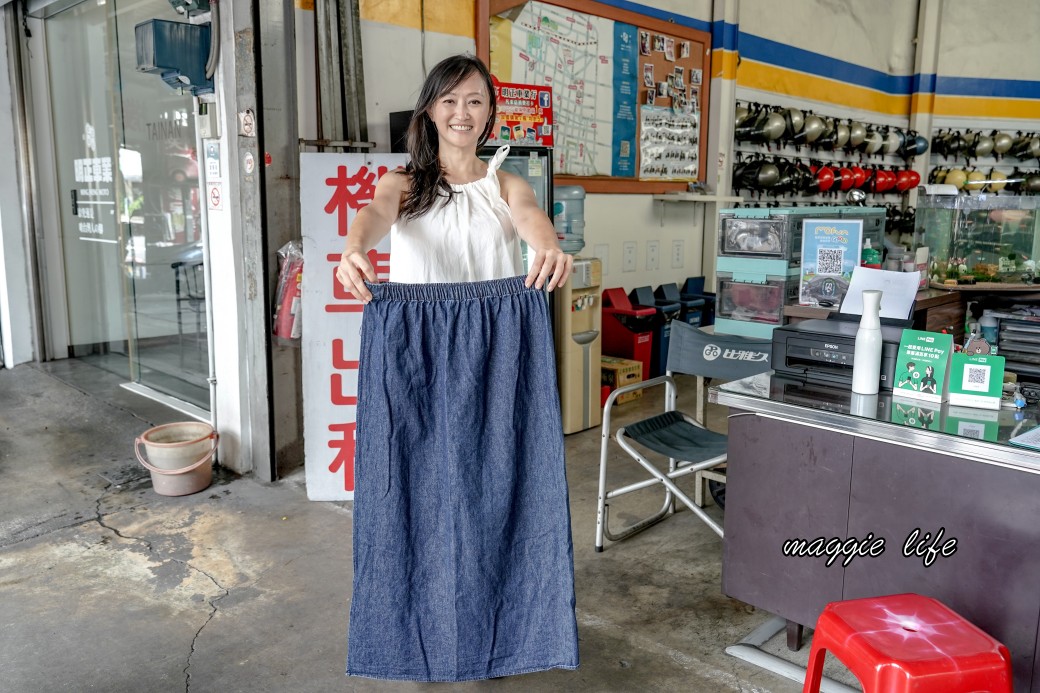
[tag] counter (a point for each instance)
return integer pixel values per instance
(900, 496)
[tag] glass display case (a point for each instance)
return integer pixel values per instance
(980, 238)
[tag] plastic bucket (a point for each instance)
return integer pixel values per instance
(180, 456)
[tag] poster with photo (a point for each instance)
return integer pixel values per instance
(695, 76)
(669, 49)
(648, 75)
(684, 49)
(830, 252)
(668, 144)
(644, 43)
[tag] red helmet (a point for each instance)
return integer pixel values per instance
(847, 178)
(825, 178)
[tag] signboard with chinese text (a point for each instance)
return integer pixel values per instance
(524, 115)
(333, 187)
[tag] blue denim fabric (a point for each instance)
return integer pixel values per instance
(463, 565)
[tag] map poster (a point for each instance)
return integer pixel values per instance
(573, 54)
(830, 252)
(524, 115)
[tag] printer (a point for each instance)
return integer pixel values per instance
(822, 351)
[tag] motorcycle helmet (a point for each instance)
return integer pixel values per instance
(907, 180)
(893, 140)
(771, 128)
(956, 177)
(982, 145)
(841, 135)
(859, 177)
(824, 178)
(857, 133)
(793, 120)
(872, 142)
(1001, 142)
(846, 178)
(997, 180)
(813, 128)
(975, 180)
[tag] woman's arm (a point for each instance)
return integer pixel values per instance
(537, 231)
(370, 225)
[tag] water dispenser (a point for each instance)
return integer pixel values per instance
(569, 217)
(578, 324)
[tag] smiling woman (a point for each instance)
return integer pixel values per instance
(463, 566)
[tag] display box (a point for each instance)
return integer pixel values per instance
(617, 372)
(979, 238)
(776, 232)
(755, 301)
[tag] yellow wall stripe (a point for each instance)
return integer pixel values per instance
(305, 5)
(981, 107)
(454, 17)
(724, 64)
(756, 75)
(922, 103)
(501, 38)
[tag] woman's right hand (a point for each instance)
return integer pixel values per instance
(354, 269)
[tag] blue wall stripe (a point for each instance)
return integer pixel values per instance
(723, 36)
(923, 83)
(781, 55)
(1003, 88)
(682, 20)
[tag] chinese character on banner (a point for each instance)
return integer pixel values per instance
(334, 187)
(351, 192)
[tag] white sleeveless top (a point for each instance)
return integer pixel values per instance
(467, 239)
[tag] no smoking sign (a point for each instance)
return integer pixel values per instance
(215, 196)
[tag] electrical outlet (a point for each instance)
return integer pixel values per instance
(678, 255)
(653, 251)
(628, 256)
(602, 251)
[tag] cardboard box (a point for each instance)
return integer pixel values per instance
(616, 372)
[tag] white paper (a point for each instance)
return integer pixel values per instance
(1029, 439)
(898, 291)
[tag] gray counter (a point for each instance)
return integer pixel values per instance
(802, 466)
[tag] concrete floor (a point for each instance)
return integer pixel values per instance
(107, 586)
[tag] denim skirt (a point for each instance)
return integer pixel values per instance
(463, 565)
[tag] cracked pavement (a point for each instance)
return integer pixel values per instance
(107, 586)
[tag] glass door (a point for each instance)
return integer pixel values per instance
(127, 177)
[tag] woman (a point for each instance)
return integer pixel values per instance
(463, 566)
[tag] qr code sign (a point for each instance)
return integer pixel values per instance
(829, 260)
(976, 378)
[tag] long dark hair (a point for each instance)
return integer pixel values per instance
(428, 181)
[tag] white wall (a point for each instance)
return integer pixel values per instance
(614, 220)
(15, 321)
(990, 40)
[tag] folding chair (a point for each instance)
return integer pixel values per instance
(688, 445)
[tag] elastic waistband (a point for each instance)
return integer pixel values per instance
(460, 291)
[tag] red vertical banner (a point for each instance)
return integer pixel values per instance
(334, 187)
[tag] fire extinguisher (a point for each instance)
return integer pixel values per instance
(287, 317)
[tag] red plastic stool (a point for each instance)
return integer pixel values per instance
(907, 643)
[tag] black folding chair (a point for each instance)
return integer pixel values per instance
(688, 445)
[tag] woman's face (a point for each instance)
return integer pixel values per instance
(461, 114)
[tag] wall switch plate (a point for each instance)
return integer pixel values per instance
(602, 251)
(653, 252)
(206, 121)
(678, 255)
(628, 256)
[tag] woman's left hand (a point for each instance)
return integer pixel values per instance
(552, 262)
